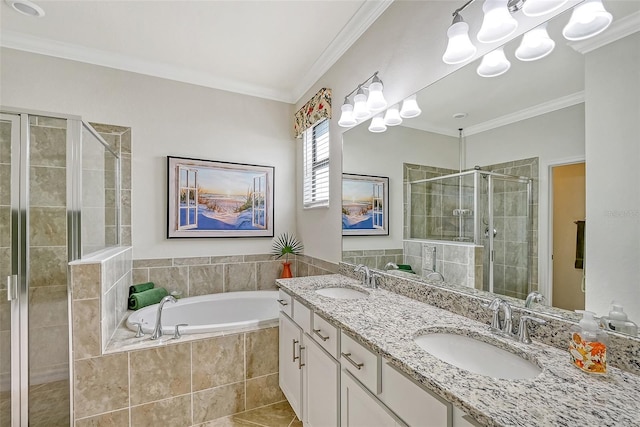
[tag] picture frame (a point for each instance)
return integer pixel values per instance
(210, 198)
(365, 205)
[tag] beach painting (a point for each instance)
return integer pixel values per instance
(210, 198)
(365, 210)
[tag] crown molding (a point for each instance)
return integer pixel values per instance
(527, 113)
(619, 29)
(357, 25)
(350, 33)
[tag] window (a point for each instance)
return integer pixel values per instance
(316, 165)
(188, 216)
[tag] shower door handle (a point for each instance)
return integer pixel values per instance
(12, 287)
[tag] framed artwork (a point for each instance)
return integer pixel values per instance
(365, 208)
(208, 198)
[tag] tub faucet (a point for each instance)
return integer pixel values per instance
(157, 331)
(533, 297)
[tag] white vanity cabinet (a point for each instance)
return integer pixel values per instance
(321, 387)
(290, 362)
(360, 408)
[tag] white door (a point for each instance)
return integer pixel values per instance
(321, 387)
(359, 409)
(290, 363)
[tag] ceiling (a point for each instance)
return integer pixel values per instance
(265, 48)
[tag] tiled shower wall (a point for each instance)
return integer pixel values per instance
(373, 258)
(458, 263)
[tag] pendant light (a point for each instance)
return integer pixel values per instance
(498, 24)
(392, 116)
(587, 20)
(346, 117)
(494, 64)
(535, 44)
(377, 124)
(459, 47)
(360, 110)
(541, 7)
(410, 108)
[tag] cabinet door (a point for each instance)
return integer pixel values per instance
(359, 408)
(290, 364)
(321, 389)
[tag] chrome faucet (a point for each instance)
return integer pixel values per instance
(523, 329)
(157, 331)
(368, 278)
(506, 326)
(533, 297)
(391, 265)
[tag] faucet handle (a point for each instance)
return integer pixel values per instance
(374, 278)
(139, 332)
(523, 329)
(176, 333)
(494, 306)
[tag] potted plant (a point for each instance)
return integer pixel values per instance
(284, 245)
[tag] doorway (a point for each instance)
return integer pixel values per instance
(568, 222)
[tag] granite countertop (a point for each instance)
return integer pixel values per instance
(561, 395)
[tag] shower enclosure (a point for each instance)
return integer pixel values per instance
(482, 208)
(58, 201)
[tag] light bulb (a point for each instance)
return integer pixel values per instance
(498, 24)
(410, 108)
(346, 118)
(376, 101)
(535, 44)
(377, 124)
(494, 64)
(392, 116)
(459, 47)
(360, 110)
(588, 19)
(541, 7)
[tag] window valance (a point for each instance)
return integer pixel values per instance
(318, 108)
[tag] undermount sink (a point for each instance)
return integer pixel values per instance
(477, 356)
(342, 293)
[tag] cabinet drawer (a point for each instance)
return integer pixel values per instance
(363, 364)
(302, 316)
(411, 402)
(284, 300)
(326, 335)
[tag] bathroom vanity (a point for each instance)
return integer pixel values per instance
(349, 356)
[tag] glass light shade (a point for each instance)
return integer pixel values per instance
(376, 101)
(392, 116)
(535, 44)
(494, 64)
(360, 110)
(498, 24)
(346, 118)
(410, 108)
(459, 48)
(541, 7)
(587, 20)
(377, 124)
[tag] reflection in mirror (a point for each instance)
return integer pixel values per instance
(520, 129)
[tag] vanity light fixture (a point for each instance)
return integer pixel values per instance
(410, 108)
(26, 7)
(588, 19)
(363, 106)
(377, 124)
(392, 116)
(535, 44)
(494, 64)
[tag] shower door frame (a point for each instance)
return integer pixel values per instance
(20, 181)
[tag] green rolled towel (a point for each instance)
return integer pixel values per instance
(140, 287)
(148, 297)
(404, 267)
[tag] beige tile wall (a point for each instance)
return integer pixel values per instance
(373, 258)
(181, 384)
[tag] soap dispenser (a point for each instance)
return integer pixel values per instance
(618, 321)
(588, 344)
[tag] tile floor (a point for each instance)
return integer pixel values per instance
(277, 415)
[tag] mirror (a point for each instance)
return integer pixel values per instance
(529, 121)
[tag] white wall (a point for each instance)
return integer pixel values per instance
(612, 97)
(382, 154)
(556, 138)
(167, 118)
(405, 45)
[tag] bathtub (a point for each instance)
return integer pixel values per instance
(211, 313)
